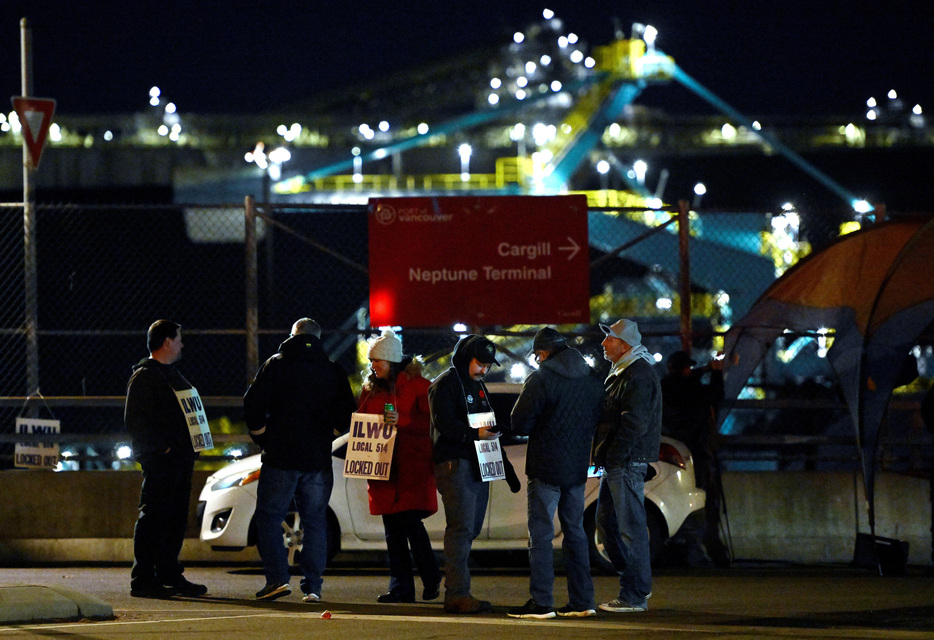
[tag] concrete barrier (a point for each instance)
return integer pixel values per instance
(791, 516)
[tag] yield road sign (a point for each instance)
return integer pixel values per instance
(35, 116)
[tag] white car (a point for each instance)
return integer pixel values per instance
(228, 501)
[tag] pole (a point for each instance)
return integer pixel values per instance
(684, 234)
(31, 285)
(252, 290)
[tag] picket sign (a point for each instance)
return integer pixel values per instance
(489, 453)
(369, 449)
(196, 419)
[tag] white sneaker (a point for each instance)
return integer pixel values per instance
(618, 606)
(311, 597)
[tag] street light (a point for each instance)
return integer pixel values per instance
(464, 152)
(640, 168)
(603, 168)
(699, 190)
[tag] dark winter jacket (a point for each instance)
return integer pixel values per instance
(153, 415)
(630, 430)
(451, 397)
(558, 409)
(297, 403)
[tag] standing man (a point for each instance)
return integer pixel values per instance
(452, 397)
(164, 450)
(627, 440)
(558, 409)
(296, 404)
(689, 414)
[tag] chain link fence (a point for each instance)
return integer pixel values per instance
(104, 273)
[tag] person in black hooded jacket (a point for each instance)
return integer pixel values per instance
(558, 409)
(163, 448)
(452, 396)
(297, 403)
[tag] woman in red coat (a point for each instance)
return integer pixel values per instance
(409, 495)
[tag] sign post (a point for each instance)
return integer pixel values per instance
(31, 285)
(479, 260)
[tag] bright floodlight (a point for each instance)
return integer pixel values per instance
(124, 452)
(460, 327)
(155, 92)
(892, 94)
(548, 14)
(464, 151)
(640, 167)
(603, 167)
(871, 103)
(861, 206)
(517, 371)
(518, 37)
(700, 188)
(651, 33)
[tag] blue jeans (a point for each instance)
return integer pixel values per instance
(622, 522)
(312, 491)
(544, 499)
(465, 500)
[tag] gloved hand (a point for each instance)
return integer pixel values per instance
(511, 478)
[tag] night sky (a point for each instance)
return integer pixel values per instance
(820, 57)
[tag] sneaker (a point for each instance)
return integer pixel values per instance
(618, 606)
(274, 590)
(147, 590)
(184, 587)
(311, 597)
(431, 591)
(570, 611)
(531, 610)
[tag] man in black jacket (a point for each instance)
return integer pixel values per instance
(453, 397)
(627, 440)
(558, 409)
(298, 401)
(163, 447)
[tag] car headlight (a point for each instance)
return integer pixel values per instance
(236, 480)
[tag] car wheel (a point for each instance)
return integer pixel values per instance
(599, 560)
(292, 535)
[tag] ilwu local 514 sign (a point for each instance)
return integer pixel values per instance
(479, 260)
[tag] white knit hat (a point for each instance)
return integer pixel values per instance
(386, 347)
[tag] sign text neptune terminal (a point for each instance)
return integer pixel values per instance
(434, 276)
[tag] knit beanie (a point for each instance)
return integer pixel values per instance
(386, 347)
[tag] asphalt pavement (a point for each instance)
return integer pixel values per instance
(745, 601)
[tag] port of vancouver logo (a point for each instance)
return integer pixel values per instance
(385, 214)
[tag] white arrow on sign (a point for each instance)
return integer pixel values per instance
(574, 248)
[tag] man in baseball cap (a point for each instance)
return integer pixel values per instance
(627, 440)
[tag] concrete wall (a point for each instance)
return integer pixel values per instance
(806, 517)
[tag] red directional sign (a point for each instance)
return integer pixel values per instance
(35, 116)
(479, 260)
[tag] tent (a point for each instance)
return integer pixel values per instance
(874, 290)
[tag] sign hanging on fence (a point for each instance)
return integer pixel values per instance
(35, 117)
(41, 455)
(479, 260)
(369, 448)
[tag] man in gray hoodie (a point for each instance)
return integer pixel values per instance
(558, 409)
